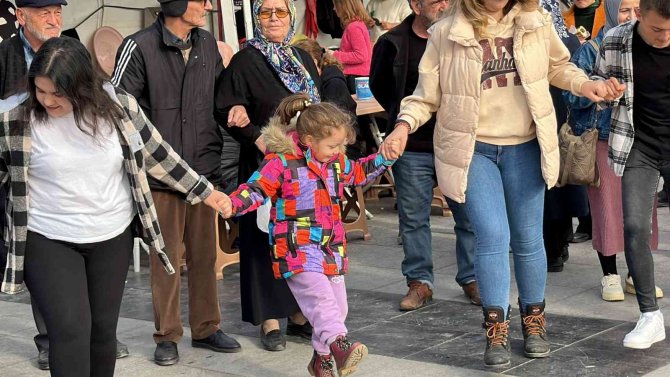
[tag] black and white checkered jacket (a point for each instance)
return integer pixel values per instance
(145, 153)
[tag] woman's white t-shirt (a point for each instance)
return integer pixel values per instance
(78, 189)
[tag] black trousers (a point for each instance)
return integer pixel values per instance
(78, 289)
(638, 189)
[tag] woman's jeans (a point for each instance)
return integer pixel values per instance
(505, 204)
(414, 175)
(78, 289)
(638, 189)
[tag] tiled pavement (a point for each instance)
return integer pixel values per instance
(443, 339)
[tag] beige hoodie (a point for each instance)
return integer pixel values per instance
(450, 75)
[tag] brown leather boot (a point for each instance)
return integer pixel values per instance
(321, 366)
(347, 355)
(471, 291)
(418, 295)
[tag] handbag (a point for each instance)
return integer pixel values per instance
(578, 153)
(578, 157)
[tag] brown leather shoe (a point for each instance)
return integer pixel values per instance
(418, 296)
(471, 291)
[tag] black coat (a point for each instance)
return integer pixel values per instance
(176, 97)
(334, 89)
(388, 75)
(13, 70)
(250, 81)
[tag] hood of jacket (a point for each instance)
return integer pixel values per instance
(281, 138)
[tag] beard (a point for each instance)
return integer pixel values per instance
(428, 21)
(41, 36)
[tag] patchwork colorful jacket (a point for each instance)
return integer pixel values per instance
(306, 230)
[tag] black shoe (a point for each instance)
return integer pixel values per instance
(555, 264)
(166, 353)
(218, 342)
(663, 199)
(565, 253)
(121, 350)
(304, 331)
(273, 340)
(43, 360)
(533, 323)
(497, 353)
(580, 237)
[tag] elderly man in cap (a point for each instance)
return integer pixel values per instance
(39, 20)
(171, 67)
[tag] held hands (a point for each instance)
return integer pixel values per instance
(237, 117)
(221, 203)
(395, 142)
(598, 90)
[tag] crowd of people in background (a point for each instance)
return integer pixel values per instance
(474, 93)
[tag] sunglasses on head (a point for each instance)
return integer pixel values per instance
(267, 13)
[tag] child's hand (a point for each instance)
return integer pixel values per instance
(221, 203)
(396, 151)
(227, 208)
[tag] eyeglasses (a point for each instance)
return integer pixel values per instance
(267, 13)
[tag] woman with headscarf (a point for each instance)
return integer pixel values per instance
(561, 204)
(263, 73)
(605, 201)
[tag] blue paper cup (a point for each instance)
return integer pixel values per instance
(363, 88)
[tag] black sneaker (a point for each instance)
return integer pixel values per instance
(121, 350)
(166, 353)
(304, 331)
(273, 340)
(218, 342)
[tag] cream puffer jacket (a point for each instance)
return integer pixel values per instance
(449, 84)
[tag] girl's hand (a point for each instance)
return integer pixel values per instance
(395, 142)
(237, 116)
(221, 203)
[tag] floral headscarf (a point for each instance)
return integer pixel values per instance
(281, 56)
(552, 7)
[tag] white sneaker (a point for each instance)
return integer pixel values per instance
(611, 289)
(649, 330)
(630, 287)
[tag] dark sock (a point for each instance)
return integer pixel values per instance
(608, 264)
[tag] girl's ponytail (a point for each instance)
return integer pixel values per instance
(292, 105)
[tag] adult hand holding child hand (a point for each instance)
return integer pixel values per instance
(603, 90)
(221, 203)
(395, 142)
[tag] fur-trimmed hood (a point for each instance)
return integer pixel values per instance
(283, 138)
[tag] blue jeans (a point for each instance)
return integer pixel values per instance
(505, 204)
(414, 175)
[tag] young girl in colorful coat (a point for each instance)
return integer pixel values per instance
(304, 174)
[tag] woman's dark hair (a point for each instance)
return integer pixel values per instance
(67, 63)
